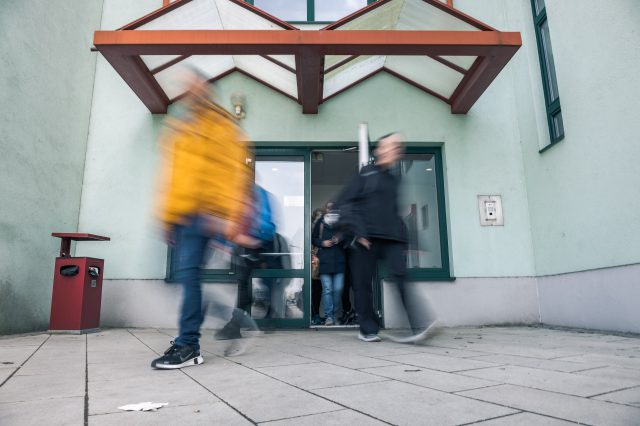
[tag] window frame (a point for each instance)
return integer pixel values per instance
(311, 12)
(552, 107)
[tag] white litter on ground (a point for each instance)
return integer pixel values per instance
(143, 406)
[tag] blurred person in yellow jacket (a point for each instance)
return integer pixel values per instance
(205, 193)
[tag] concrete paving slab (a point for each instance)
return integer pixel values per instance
(176, 389)
(573, 384)
(438, 362)
(336, 357)
(21, 341)
(445, 351)
(31, 388)
(6, 372)
(53, 411)
(402, 403)
(543, 364)
(610, 360)
(612, 373)
(319, 375)
(566, 407)
(260, 358)
(333, 418)
(258, 396)
(525, 419)
(215, 413)
(433, 379)
(627, 397)
(15, 356)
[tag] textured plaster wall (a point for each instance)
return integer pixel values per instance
(46, 82)
(584, 193)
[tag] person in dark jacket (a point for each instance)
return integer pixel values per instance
(328, 239)
(369, 213)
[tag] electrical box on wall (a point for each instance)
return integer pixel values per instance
(490, 210)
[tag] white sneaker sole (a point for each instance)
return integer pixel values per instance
(370, 339)
(188, 363)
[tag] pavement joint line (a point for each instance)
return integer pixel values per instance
(589, 369)
(387, 379)
(436, 389)
(306, 391)
(523, 410)
(614, 391)
(491, 418)
(302, 416)
(200, 384)
(25, 361)
(481, 368)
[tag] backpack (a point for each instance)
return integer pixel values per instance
(262, 227)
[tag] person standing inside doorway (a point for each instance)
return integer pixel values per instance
(328, 239)
(370, 213)
(204, 194)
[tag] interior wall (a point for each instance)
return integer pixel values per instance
(46, 82)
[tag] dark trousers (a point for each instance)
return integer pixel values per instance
(362, 263)
(248, 260)
(316, 295)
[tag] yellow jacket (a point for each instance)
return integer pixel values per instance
(207, 169)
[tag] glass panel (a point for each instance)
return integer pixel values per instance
(277, 298)
(173, 79)
(420, 15)
(419, 208)
(558, 125)
(284, 180)
(427, 72)
(195, 15)
(154, 61)
(350, 73)
(268, 72)
(235, 17)
(332, 10)
(550, 68)
(218, 257)
(287, 10)
(539, 6)
(461, 61)
(382, 17)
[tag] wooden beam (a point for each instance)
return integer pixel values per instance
(284, 42)
(135, 73)
(309, 65)
(481, 74)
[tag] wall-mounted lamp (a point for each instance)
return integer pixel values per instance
(239, 101)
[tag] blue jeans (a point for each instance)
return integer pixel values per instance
(191, 245)
(331, 293)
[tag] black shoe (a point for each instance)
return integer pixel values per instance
(228, 332)
(178, 357)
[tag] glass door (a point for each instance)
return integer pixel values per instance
(280, 286)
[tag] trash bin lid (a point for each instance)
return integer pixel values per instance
(80, 237)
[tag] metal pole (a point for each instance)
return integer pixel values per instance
(363, 145)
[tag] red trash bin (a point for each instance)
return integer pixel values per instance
(77, 287)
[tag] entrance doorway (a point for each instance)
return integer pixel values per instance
(331, 170)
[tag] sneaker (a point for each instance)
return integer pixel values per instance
(317, 320)
(238, 346)
(228, 332)
(178, 357)
(369, 337)
(418, 336)
(329, 321)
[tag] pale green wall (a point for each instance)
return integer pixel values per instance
(584, 193)
(46, 82)
(482, 156)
